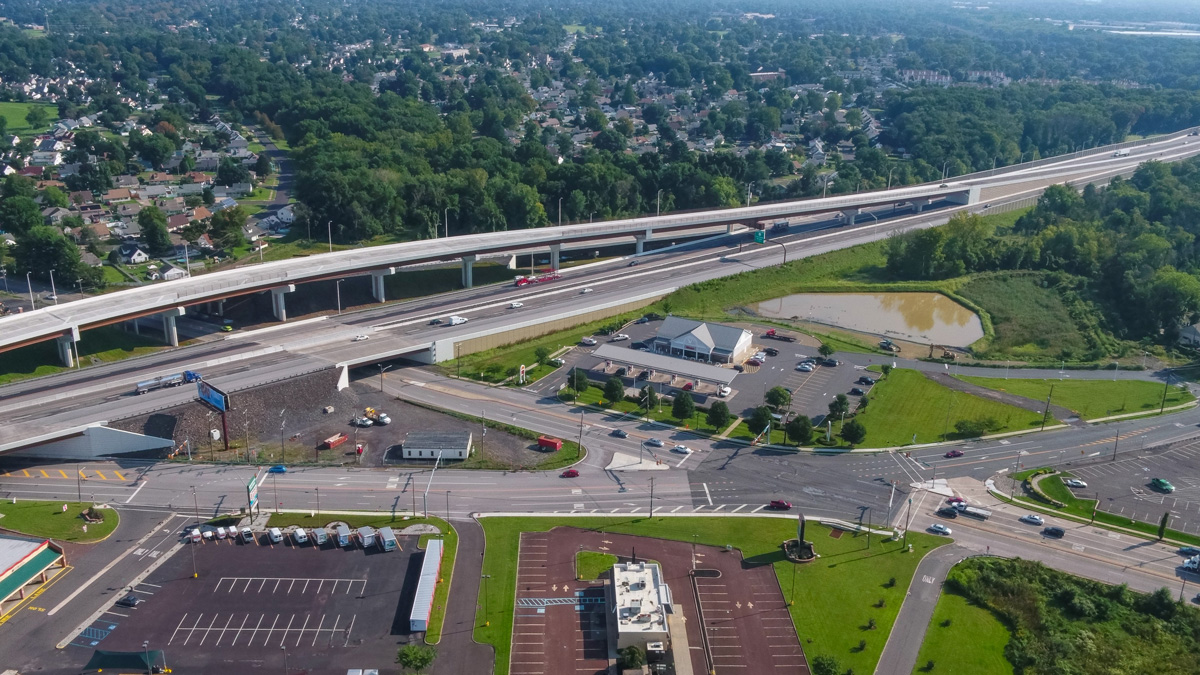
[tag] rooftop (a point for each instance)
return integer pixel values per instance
(643, 600)
(666, 364)
(716, 336)
(14, 550)
(438, 440)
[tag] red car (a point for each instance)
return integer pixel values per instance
(780, 505)
(687, 386)
(956, 500)
(570, 473)
(754, 362)
(954, 453)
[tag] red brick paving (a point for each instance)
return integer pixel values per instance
(746, 625)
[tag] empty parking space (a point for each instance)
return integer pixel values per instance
(262, 629)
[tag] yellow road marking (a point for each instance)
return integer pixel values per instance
(101, 475)
(33, 596)
(44, 474)
(26, 472)
(119, 476)
(82, 474)
(64, 473)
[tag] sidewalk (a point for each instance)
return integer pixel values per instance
(908, 633)
(458, 652)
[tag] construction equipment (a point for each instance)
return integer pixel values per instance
(376, 416)
(889, 345)
(946, 353)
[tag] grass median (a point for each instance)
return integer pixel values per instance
(836, 598)
(99, 345)
(47, 519)
(964, 638)
(1093, 399)
(591, 565)
(440, 597)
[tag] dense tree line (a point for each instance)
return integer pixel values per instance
(1132, 248)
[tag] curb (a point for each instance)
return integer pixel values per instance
(449, 586)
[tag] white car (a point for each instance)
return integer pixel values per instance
(654, 442)
(516, 305)
(360, 338)
(759, 355)
(1032, 519)
(938, 528)
(805, 368)
(590, 342)
(619, 337)
(1074, 483)
(682, 449)
(586, 290)
(724, 390)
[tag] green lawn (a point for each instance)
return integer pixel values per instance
(1092, 398)
(15, 114)
(1030, 321)
(112, 275)
(436, 618)
(834, 597)
(592, 564)
(907, 408)
(594, 396)
(259, 194)
(254, 209)
(255, 147)
(964, 638)
(102, 345)
(47, 519)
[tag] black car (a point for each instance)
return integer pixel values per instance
(857, 392)
(435, 322)
(637, 345)
(634, 263)
(130, 600)
(830, 362)
(620, 433)
(866, 380)
(771, 351)
(644, 375)
(1056, 532)
(621, 372)
(948, 512)
(642, 320)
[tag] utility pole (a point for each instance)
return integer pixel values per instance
(868, 527)
(318, 502)
(1046, 413)
(330, 226)
(581, 428)
(447, 506)
(1162, 406)
(1116, 441)
(651, 496)
(908, 522)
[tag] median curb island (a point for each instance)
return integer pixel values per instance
(827, 522)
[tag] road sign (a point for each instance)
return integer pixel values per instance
(252, 492)
(760, 237)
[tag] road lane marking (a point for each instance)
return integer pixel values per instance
(706, 494)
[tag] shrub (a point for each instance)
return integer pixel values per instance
(416, 657)
(631, 657)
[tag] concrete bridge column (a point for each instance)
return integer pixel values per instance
(555, 252)
(65, 355)
(920, 204)
(170, 334)
(137, 330)
(850, 215)
(639, 245)
(218, 308)
(278, 306)
(467, 261)
(377, 282)
(729, 228)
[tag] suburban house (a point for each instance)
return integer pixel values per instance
(132, 254)
(713, 342)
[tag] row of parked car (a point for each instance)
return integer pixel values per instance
(343, 536)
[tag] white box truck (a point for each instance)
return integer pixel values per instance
(343, 535)
(1123, 152)
(366, 535)
(457, 320)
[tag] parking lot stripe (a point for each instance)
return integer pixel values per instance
(193, 629)
(181, 620)
(301, 635)
(210, 625)
(333, 631)
(255, 631)
(239, 630)
(222, 635)
(348, 630)
(318, 633)
(289, 590)
(271, 630)
(285, 630)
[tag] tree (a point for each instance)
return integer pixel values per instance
(760, 419)
(19, 215)
(614, 389)
(209, 197)
(718, 415)
(44, 248)
(578, 379)
(826, 665)
(683, 407)
(853, 432)
(52, 196)
(887, 369)
(225, 227)
(542, 354)
(631, 657)
(37, 117)
(154, 148)
(778, 397)
(231, 171)
(262, 165)
(799, 429)
(649, 397)
(825, 350)
(610, 140)
(416, 657)
(1162, 525)
(840, 405)
(154, 230)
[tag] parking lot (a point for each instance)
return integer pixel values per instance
(740, 624)
(1123, 487)
(324, 609)
(811, 391)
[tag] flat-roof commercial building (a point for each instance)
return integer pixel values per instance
(703, 341)
(431, 444)
(640, 602)
(25, 565)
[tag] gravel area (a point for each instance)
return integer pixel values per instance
(494, 450)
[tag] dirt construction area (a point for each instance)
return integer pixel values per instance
(734, 613)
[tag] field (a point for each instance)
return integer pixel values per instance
(48, 520)
(1030, 321)
(907, 407)
(594, 396)
(99, 345)
(1092, 398)
(434, 634)
(964, 638)
(834, 598)
(15, 114)
(591, 564)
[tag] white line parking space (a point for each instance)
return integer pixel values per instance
(262, 629)
(288, 585)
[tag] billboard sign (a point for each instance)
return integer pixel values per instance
(213, 397)
(252, 492)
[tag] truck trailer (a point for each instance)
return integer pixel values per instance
(175, 380)
(974, 511)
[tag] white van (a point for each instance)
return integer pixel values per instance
(343, 535)
(366, 536)
(276, 535)
(220, 532)
(300, 536)
(195, 536)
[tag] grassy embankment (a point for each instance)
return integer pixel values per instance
(964, 638)
(1092, 399)
(833, 599)
(99, 345)
(450, 551)
(47, 519)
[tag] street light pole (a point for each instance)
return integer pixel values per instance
(338, 287)
(382, 369)
(53, 293)
(560, 211)
(329, 227)
(658, 204)
(146, 649)
(318, 502)
(29, 286)
(485, 578)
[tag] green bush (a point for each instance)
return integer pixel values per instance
(416, 657)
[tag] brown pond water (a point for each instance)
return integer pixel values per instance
(927, 318)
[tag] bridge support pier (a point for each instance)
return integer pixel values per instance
(278, 305)
(170, 333)
(729, 228)
(377, 276)
(137, 330)
(218, 308)
(639, 245)
(65, 355)
(920, 204)
(467, 280)
(555, 253)
(850, 215)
